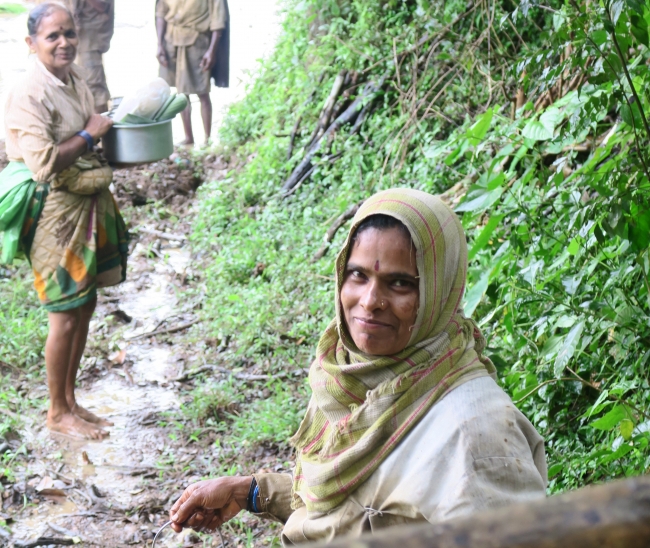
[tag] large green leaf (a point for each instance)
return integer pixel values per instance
(611, 419)
(475, 293)
(551, 118)
(481, 202)
(536, 131)
(484, 237)
(477, 132)
(568, 348)
(544, 128)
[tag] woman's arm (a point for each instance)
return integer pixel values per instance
(76, 146)
(29, 121)
(209, 504)
(161, 30)
(210, 56)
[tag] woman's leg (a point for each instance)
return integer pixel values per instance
(58, 352)
(78, 347)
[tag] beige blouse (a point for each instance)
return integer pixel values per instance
(42, 112)
(186, 19)
(472, 451)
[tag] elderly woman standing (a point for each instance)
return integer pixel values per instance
(406, 422)
(73, 234)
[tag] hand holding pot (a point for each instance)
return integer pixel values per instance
(98, 126)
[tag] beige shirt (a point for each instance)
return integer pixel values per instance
(472, 451)
(186, 19)
(42, 112)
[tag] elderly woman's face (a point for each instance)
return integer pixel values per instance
(380, 292)
(55, 42)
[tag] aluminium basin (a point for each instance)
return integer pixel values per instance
(139, 144)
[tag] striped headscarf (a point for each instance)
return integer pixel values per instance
(363, 405)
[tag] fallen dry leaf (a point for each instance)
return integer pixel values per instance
(118, 357)
(86, 458)
(46, 483)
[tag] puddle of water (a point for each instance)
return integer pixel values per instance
(44, 513)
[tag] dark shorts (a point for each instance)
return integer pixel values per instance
(183, 71)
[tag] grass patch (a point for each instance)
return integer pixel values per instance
(211, 402)
(23, 322)
(270, 420)
(12, 9)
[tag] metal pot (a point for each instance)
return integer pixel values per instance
(139, 144)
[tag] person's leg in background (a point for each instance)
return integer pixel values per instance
(91, 61)
(186, 116)
(206, 114)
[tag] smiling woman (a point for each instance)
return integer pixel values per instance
(406, 423)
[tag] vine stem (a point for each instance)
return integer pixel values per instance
(540, 386)
(618, 400)
(619, 52)
(628, 77)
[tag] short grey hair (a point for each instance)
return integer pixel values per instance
(42, 11)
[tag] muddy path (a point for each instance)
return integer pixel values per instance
(144, 356)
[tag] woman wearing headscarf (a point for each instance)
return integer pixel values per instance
(406, 422)
(71, 229)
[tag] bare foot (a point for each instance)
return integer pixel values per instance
(70, 424)
(186, 143)
(89, 417)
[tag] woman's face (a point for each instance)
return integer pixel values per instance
(55, 42)
(380, 292)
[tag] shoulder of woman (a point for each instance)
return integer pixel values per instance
(488, 421)
(32, 85)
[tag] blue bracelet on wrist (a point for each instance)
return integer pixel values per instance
(88, 138)
(255, 495)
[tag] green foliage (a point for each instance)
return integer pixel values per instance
(566, 299)
(556, 198)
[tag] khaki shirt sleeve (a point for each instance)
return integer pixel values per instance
(218, 15)
(275, 496)
(161, 8)
(29, 121)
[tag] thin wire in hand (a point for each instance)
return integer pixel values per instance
(223, 544)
